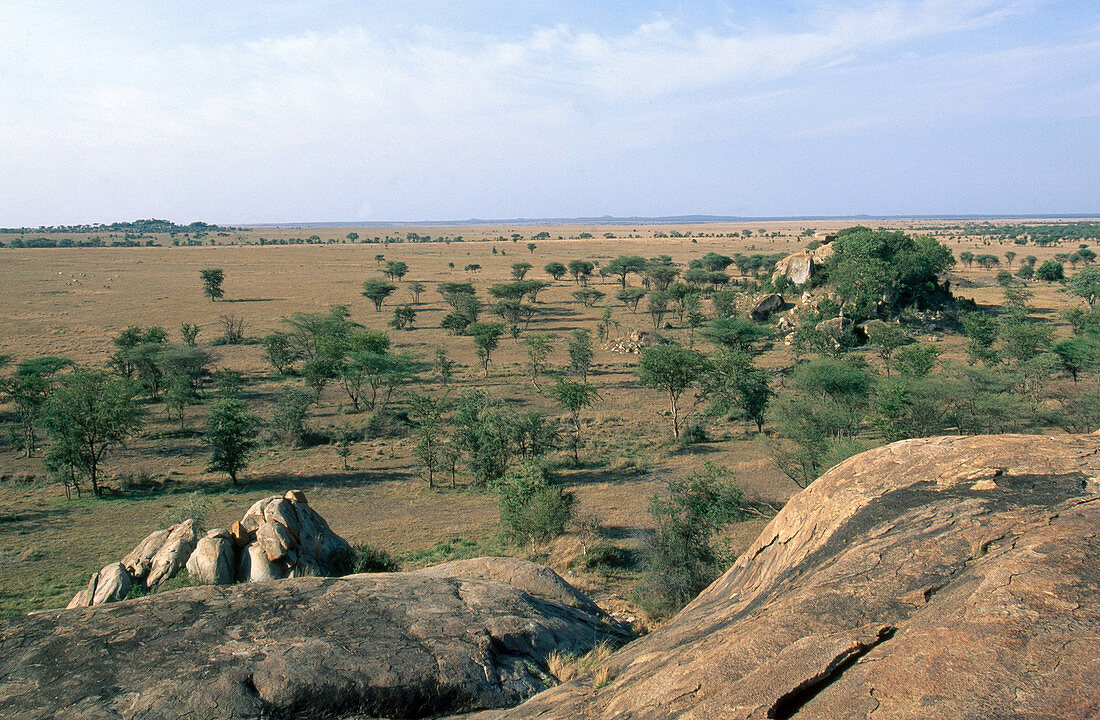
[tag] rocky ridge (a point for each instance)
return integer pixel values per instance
(946, 577)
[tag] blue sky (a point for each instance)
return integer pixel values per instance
(342, 111)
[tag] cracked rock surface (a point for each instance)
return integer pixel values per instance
(944, 577)
(382, 645)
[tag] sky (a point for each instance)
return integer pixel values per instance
(333, 110)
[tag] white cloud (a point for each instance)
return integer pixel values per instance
(379, 104)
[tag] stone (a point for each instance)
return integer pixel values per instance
(296, 496)
(275, 540)
(111, 584)
(281, 511)
(765, 306)
(239, 535)
(835, 327)
(254, 516)
(383, 645)
(890, 587)
(866, 328)
(173, 554)
(317, 543)
(140, 558)
(255, 567)
(214, 560)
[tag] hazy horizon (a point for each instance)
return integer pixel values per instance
(255, 113)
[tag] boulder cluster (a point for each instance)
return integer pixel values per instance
(635, 342)
(279, 536)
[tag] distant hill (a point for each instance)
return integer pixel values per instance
(655, 220)
(135, 227)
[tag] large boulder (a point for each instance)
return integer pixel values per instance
(140, 558)
(800, 267)
(947, 577)
(383, 645)
(765, 306)
(256, 567)
(173, 554)
(214, 560)
(110, 584)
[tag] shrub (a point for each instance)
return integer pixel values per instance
(679, 558)
(363, 558)
(531, 508)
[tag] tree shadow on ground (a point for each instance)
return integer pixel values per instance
(697, 449)
(624, 532)
(583, 475)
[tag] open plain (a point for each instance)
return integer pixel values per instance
(72, 302)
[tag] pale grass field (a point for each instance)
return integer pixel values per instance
(71, 302)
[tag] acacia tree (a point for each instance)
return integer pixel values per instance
(734, 385)
(396, 269)
(212, 279)
(377, 291)
(231, 433)
(88, 415)
(622, 266)
(580, 352)
(555, 270)
(28, 388)
(426, 413)
(673, 370)
(574, 397)
(539, 347)
(486, 337)
(1085, 284)
(581, 270)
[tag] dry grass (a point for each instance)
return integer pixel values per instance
(565, 667)
(71, 302)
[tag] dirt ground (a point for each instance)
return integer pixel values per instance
(71, 302)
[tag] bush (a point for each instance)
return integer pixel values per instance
(693, 434)
(679, 558)
(531, 509)
(363, 558)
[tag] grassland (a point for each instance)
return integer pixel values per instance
(71, 302)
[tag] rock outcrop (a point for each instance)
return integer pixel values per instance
(279, 536)
(635, 342)
(383, 645)
(213, 561)
(948, 577)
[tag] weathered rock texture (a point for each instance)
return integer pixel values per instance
(279, 536)
(382, 645)
(799, 267)
(934, 578)
(537, 580)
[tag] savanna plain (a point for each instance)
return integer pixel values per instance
(359, 458)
